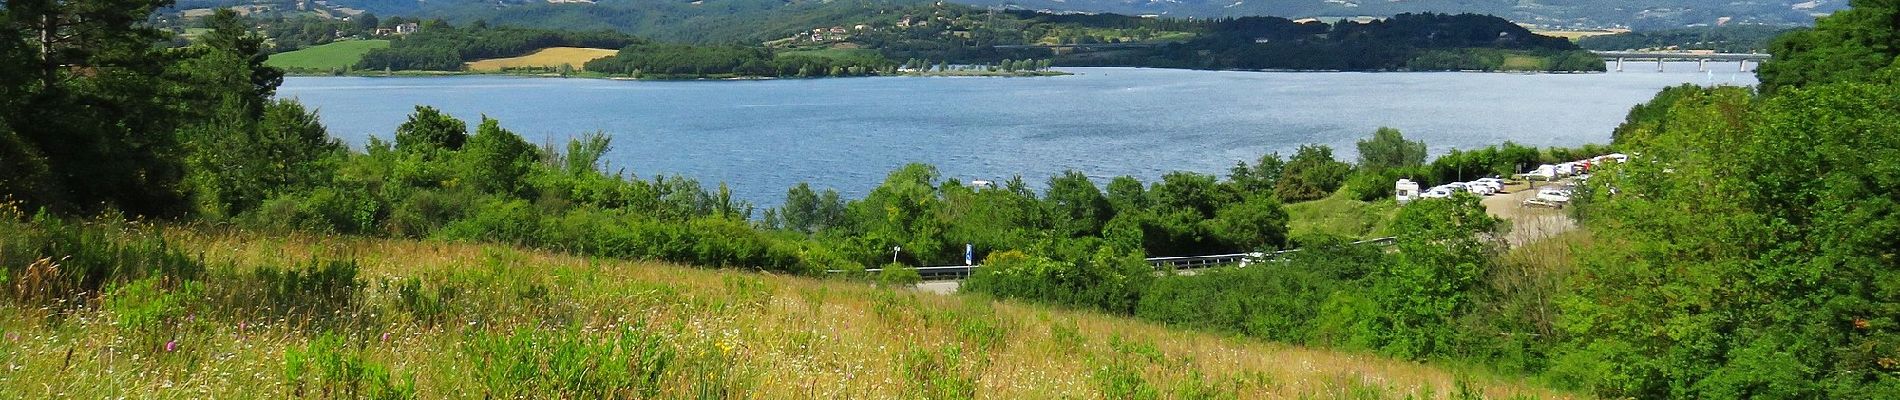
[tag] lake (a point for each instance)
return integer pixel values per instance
(764, 136)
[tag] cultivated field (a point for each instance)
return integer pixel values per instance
(443, 320)
(337, 55)
(552, 57)
(1574, 35)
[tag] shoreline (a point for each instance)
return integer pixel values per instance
(586, 75)
(950, 74)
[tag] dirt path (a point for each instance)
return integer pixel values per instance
(1528, 224)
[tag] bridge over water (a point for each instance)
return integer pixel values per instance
(1702, 59)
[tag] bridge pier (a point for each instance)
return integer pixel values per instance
(1659, 64)
(1702, 65)
(1619, 64)
(1743, 65)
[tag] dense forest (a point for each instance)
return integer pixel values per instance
(1404, 42)
(959, 35)
(1745, 251)
(680, 60)
(1725, 39)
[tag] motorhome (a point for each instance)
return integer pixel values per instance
(1618, 157)
(1546, 172)
(1406, 191)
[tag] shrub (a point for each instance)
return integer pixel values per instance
(51, 259)
(319, 290)
(426, 211)
(150, 309)
(336, 209)
(329, 368)
(937, 374)
(1106, 281)
(1311, 174)
(898, 275)
(427, 307)
(630, 363)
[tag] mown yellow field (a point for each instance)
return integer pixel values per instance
(551, 57)
(1574, 35)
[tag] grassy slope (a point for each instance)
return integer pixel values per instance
(769, 336)
(1340, 215)
(337, 55)
(549, 57)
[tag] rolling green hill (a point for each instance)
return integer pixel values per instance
(338, 55)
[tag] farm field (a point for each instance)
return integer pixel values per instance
(274, 316)
(552, 57)
(337, 55)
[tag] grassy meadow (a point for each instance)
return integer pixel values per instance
(1340, 215)
(552, 57)
(307, 316)
(332, 56)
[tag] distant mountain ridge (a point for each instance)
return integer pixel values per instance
(1646, 14)
(751, 21)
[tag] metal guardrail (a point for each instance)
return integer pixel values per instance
(1159, 263)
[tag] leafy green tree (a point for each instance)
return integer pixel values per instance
(234, 57)
(1444, 256)
(902, 213)
(1079, 207)
(1257, 223)
(1695, 295)
(1127, 195)
(1387, 148)
(101, 119)
(1259, 178)
(1311, 174)
(1850, 45)
(806, 210)
(429, 128)
(497, 161)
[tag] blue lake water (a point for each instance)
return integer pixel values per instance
(764, 136)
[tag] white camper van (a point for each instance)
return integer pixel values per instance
(1406, 190)
(1544, 172)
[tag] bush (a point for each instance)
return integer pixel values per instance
(898, 275)
(337, 209)
(940, 374)
(52, 259)
(150, 309)
(1379, 185)
(1311, 174)
(1106, 281)
(319, 290)
(1229, 300)
(630, 363)
(329, 368)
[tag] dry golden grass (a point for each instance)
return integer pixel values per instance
(779, 336)
(552, 57)
(1574, 35)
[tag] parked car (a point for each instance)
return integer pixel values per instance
(1554, 195)
(1436, 193)
(1569, 168)
(1480, 189)
(1496, 185)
